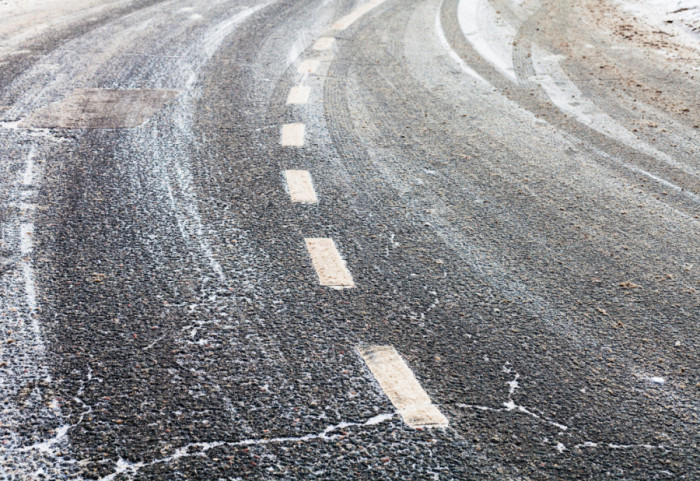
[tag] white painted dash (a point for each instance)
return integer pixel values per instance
(300, 186)
(330, 267)
(355, 15)
(402, 388)
(308, 66)
(293, 135)
(324, 43)
(298, 94)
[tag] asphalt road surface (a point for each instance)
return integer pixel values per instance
(339, 239)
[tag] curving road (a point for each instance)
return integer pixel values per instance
(338, 239)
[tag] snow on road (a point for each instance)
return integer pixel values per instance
(681, 17)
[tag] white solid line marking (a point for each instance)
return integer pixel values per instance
(402, 388)
(353, 16)
(298, 95)
(301, 189)
(309, 66)
(324, 43)
(330, 267)
(293, 135)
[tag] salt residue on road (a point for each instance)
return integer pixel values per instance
(680, 17)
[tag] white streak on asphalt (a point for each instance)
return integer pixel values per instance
(636, 169)
(635, 446)
(356, 14)
(12, 125)
(216, 35)
(40, 133)
(569, 99)
(587, 444)
(25, 364)
(300, 186)
(28, 177)
(293, 135)
(26, 246)
(309, 66)
(26, 233)
(666, 183)
(330, 266)
(178, 180)
(450, 51)
(590, 444)
(30, 291)
(200, 449)
(510, 405)
(61, 433)
(45, 446)
(26, 236)
(188, 214)
(298, 95)
(491, 38)
(324, 43)
(401, 387)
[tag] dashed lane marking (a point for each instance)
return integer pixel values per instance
(300, 187)
(293, 135)
(401, 387)
(298, 94)
(308, 66)
(330, 267)
(324, 43)
(353, 16)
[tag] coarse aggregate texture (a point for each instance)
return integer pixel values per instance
(532, 256)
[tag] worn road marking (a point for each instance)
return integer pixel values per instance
(309, 66)
(353, 16)
(293, 135)
(330, 267)
(324, 43)
(298, 95)
(402, 388)
(301, 189)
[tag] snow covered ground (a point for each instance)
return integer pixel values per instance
(680, 17)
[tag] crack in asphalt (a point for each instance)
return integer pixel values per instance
(124, 466)
(62, 431)
(510, 405)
